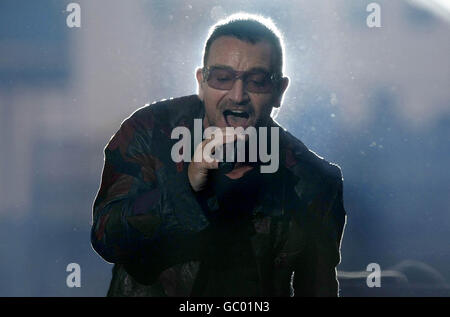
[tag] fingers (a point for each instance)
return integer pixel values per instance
(206, 155)
(212, 147)
(209, 150)
(221, 135)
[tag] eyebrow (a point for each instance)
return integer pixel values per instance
(253, 69)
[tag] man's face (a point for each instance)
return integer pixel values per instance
(237, 107)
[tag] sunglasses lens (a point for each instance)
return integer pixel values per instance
(259, 83)
(222, 79)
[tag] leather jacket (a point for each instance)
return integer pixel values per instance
(167, 240)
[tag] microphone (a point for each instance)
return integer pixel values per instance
(228, 163)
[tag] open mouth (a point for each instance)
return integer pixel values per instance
(236, 118)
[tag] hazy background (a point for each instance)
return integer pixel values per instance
(373, 100)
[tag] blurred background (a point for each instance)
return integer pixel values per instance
(376, 101)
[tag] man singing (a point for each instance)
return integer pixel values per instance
(201, 227)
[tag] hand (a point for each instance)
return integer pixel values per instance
(198, 171)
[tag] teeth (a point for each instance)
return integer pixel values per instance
(236, 113)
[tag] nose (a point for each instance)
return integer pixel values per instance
(237, 93)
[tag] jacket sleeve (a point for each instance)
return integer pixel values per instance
(314, 269)
(126, 210)
(131, 225)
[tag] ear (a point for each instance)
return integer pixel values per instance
(199, 76)
(282, 88)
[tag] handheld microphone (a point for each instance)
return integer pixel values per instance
(228, 165)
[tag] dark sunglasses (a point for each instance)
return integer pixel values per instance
(256, 81)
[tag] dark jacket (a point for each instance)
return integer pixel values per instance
(166, 240)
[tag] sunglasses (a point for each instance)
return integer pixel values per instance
(256, 81)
